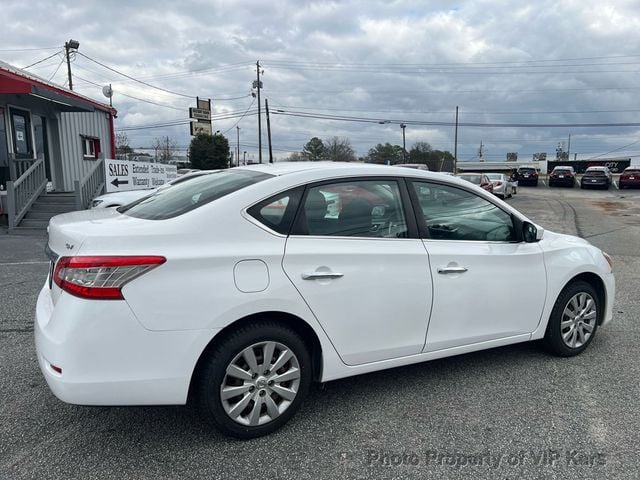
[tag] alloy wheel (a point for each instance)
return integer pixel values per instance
(260, 383)
(578, 320)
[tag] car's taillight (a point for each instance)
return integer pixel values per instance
(497, 184)
(534, 174)
(101, 278)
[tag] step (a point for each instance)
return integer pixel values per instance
(39, 215)
(33, 223)
(27, 231)
(52, 207)
(59, 198)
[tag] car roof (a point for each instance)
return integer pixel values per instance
(470, 173)
(337, 168)
(597, 168)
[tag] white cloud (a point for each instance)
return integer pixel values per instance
(354, 58)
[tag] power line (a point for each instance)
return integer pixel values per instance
(40, 61)
(448, 123)
(243, 115)
(135, 79)
(56, 70)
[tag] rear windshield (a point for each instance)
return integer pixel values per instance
(187, 196)
(477, 179)
(595, 173)
(561, 171)
(632, 170)
(527, 170)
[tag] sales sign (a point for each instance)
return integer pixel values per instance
(121, 175)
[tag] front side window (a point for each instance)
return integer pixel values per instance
(186, 196)
(452, 213)
(365, 208)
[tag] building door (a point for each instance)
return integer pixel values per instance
(42, 144)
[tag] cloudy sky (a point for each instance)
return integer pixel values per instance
(374, 64)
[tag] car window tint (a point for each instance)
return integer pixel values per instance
(187, 196)
(277, 212)
(371, 208)
(452, 213)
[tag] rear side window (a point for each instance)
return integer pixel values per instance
(187, 196)
(277, 212)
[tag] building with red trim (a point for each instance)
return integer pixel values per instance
(42, 120)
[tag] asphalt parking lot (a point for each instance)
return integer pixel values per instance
(512, 412)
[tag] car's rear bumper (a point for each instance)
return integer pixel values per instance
(527, 181)
(108, 358)
(629, 183)
(594, 182)
(562, 182)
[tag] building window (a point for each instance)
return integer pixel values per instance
(21, 133)
(90, 148)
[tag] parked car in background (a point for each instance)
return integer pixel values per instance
(502, 185)
(596, 177)
(630, 177)
(117, 199)
(527, 176)
(479, 179)
(185, 171)
(190, 294)
(562, 176)
(417, 166)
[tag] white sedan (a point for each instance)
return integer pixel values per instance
(239, 288)
(502, 185)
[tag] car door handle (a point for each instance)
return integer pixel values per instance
(446, 270)
(319, 275)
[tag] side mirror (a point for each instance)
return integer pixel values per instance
(532, 233)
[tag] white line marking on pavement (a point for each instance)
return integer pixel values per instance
(615, 185)
(544, 183)
(24, 263)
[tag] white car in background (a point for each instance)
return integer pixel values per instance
(502, 185)
(239, 288)
(117, 199)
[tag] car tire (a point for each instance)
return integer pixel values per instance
(240, 416)
(565, 336)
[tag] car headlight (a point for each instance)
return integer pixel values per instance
(95, 203)
(609, 260)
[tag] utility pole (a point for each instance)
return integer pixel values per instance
(259, 86)
(404, 145)
(238, 145)
(569, 147)
(266, 107)
(480, 151)
(68, 46)
(244, 158)
(455, 146)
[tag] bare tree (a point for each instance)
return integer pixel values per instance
(339, 149)
(164, 148)
(122, 146)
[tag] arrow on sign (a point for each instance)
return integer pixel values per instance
(117, 182)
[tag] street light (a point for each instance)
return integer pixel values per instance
(68, 46)
(404, 145)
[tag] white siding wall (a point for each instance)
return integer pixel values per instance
(72, 126)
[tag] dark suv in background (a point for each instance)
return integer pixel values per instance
(562, 176)
(596, 177)
(527, 176)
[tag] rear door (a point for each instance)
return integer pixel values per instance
(355, 257)
(487, 285)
